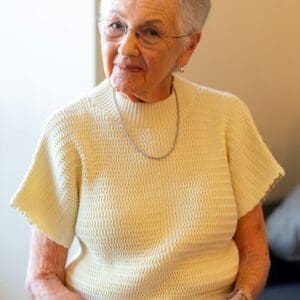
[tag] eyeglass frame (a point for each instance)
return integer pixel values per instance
(100, 19)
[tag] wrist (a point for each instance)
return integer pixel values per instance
(51, 288)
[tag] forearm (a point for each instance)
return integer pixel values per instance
(253, 273)
(45, 278)
(252, 243)
(49, 287)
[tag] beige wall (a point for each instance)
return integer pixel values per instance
(252, 49)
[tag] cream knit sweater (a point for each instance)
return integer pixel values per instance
(148, 229)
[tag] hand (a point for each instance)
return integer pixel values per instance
(64, 295)
(51, 289)
(237, 297)
(68, 295)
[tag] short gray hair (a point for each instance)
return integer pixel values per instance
(193, 14)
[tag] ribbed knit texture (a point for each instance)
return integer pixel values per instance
(148, 229)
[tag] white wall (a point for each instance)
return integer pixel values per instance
(47, 58)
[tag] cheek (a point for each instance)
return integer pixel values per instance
(161, 63)
(108, 56)
(165, 59)
(154, 60)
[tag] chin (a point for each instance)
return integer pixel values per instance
(127, 86)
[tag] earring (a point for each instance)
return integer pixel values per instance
(178, 68)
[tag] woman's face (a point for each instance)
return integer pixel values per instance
(138, 69)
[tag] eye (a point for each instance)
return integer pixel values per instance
(115, 29)
(116, 26)
(151, 32)
(150, 35)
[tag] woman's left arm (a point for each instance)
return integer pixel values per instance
(252, 243)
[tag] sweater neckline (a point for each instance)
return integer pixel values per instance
(147, 115)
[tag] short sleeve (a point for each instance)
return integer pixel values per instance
(254, 171)
(48, 194)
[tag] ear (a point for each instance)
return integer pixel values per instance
(184, 58)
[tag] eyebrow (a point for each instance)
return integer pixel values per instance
(150, 21)
(113, 11)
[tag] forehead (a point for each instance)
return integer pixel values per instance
(141, 10)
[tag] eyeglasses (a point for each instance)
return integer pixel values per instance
(148, 35)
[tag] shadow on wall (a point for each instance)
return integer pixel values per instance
(293, 150)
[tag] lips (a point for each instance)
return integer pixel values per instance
(128, 67)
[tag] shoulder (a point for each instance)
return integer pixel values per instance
(75, 113)
(212, 98)
(81, 109)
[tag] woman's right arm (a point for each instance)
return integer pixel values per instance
(46, 269)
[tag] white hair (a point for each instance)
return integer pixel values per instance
(192, 17)
(193, 14)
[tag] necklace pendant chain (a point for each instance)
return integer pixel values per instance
(138, 149)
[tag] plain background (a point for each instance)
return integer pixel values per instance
(50, 55)
(47, 59)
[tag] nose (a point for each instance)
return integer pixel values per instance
(129, 44)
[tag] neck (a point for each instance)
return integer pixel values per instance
(157, 94)
(133, 98)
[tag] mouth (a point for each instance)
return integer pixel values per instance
(129, 67)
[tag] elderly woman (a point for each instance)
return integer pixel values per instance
(160, 180)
